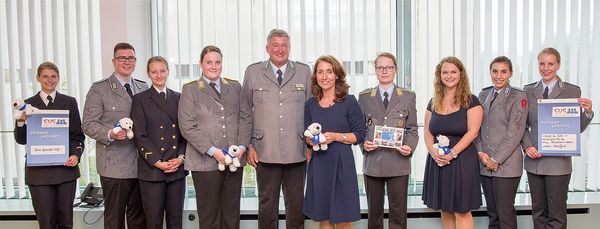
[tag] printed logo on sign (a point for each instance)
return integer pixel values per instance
(55, 122)
(562, 112)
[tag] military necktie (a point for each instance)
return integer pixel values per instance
(279, 78)
(545, 95)
(214, 87)
(50, 101)
(386, 101)
(163, 95)
(494, 98)
(128, 89)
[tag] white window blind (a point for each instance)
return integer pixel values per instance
(31, 32)
(477, 31)
(354, 31)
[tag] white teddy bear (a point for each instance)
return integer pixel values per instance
(21, 107)
(124, 124)
(442, 146)
(231, 159)
(318, 138)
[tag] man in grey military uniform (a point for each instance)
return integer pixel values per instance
(392, 106)
(549, 176)
(108, 101)
(272, 123)
(499, 143)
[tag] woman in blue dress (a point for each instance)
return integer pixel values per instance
(452, 182)
(332, 189)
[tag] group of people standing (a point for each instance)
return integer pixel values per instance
(143, 178)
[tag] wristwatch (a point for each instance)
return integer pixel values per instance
(453, 153)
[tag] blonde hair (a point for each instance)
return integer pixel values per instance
(47, 65)
(551, 51)
(388, 55)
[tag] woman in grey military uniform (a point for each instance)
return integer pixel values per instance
(393, 106)
(208, 117)
(498, 143)
(549, 176)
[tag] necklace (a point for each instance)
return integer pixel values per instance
(326, 102)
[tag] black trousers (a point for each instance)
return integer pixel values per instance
(53, 204)
(122, 197)
(549, 200)
(500, 193)
(271, 179)
(397, 191)
(218, 198)
(160, 198)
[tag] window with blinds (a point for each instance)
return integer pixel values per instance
(420, 33)
(477, 31)
(31, 32)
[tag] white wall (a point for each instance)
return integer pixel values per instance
(125, 21)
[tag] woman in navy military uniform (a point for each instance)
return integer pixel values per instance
(161, 149)
(52, 188)
(452, 182)
(331, 186)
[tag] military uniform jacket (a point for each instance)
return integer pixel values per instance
(49, 175)
(548, 165)
(156, 134)
(502, 130)
(401, 112)
(207, 120)
(273, 115)
(106, 103)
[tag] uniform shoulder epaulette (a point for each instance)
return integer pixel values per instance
(141, 81)
(255, 64)
(100, 81)
(570, 84)
(487, 88)
(301, 63)
(229, 79)
(517, 88)
(531, 84)
(366, 91)
(407, 90)
(191, 82)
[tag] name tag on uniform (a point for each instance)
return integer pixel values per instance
(298, 86)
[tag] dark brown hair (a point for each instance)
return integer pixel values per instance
(502, 59)
(210, 48)
(122, 45)
(341, 86)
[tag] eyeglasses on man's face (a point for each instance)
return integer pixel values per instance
(126, 58)
(386, 68)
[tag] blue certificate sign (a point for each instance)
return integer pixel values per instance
(559, 127)
(47, 138)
